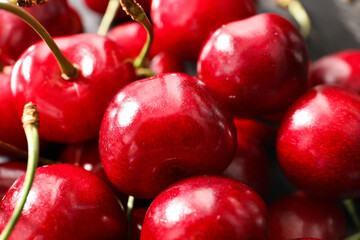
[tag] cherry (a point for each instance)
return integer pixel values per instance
(302, 215)
(258, 65)
(56, 16)
(318, 144)
(9, 172)
(138, 215)
(340, 68)
(65, 202)
(250, 164)
(161, 129)
(183, 26)
(206, 207)
(165, 63)
(76, 105)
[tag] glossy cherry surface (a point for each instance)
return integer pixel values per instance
(161, 129)
(165, 63)
(340, 68)
(71, 110)
(250, 165)
(301, 215)
(65, 202)
(9, 172)
(258, 65)
(318, 144)
(56, 16)
(206, 207)
(183, 26)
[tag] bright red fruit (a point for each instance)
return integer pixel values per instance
(318, 143)
(301, 215)
(341, 68)
(183, 26)
(65, 202)
(161, 129)
(9, 172)
(165, 63)
(206, 208)
(258, 65)
(56, 16)
(71, 110)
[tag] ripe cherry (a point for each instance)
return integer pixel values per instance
(65, 202)
(341, 68)
(161, 129)
(9, 172)
(258, 65)
(302, 215)
(318, 144)
(183, 26)
(206, 208)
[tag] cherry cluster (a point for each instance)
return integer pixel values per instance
(167, 127)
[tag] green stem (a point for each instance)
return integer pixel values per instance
(144, 73)
(350, 207)
(356, 236)
(67, 68)
(108, 17)
(137, 13)
(130, 207)
(31, 122)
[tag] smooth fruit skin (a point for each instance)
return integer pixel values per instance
(9, 172)
(206, 208)
(161, 129)
(65, 202)
(166, 63)
(318, 144)
(183, 26)
(71, 110)
(340, 68)
(301, 215)
(258, 66)
(56, 16)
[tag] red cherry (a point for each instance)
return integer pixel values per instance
(65, 202)
(318, 144)
(206, 207)
(183, 26)
(56, 16)
(258, 65)
(138, 215)
(341, 68)
(250, 164)
(9, 172)
(161, 129)
(71, 110)
(165, 63)
(301, 215)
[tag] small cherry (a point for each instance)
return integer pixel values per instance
(161, 129)
(9, 172)
(318, 144)
(183, 26)
(340, 68)
(205, 208)
(257, 66)
(56, 16)
(301, 215)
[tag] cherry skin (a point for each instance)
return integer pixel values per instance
(71, 110)
(258, 65)
(250, 165)
(56, 16)
(206, 207)
(302, 215)
(166, 63)
(183, 26)
(138, 215)
(341, 68)
(9, 172)
(318, 144)
(161, 129)
(65, 202)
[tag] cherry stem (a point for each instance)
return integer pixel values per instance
(351, 209)
(110, 13)
(137, 13)
(297, 10)
(144, 72)
(356, 236)
(22, 153)
(67, 68)
(30, 121)
(129, 210)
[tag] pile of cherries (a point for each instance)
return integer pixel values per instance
(170, 130)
